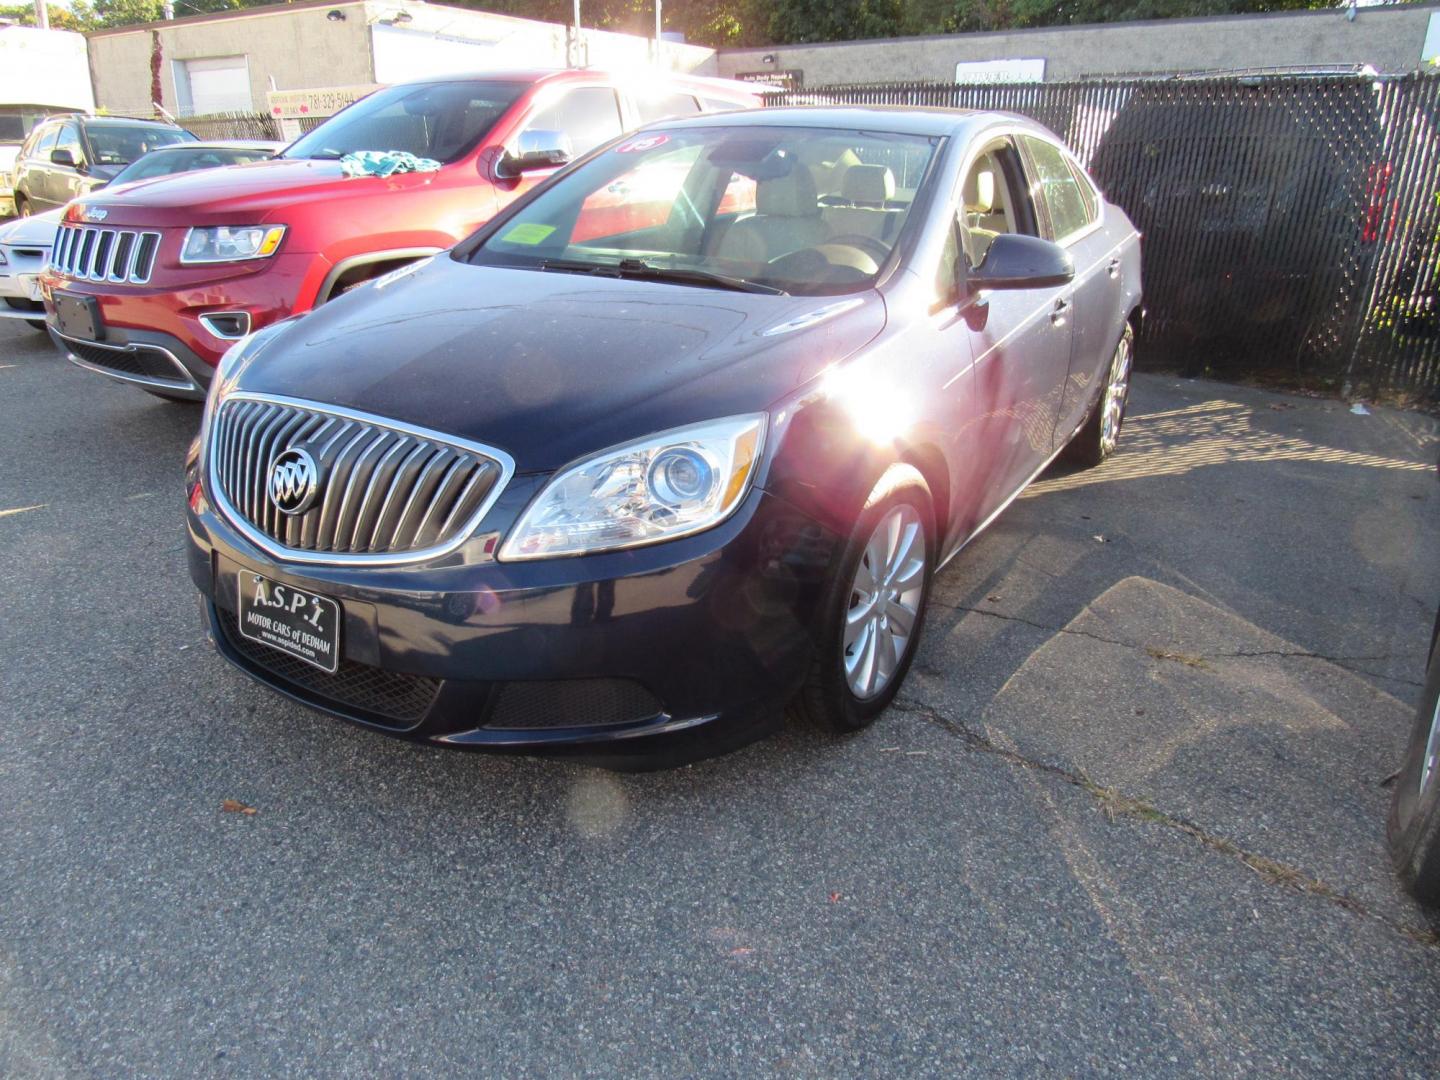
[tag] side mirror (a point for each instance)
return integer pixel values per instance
(536, 149)
(63, 157)
(1022, 262)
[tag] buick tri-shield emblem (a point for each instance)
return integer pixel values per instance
(294, 482)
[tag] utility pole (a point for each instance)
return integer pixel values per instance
(659, 48)
(574, 57)
(42, 15)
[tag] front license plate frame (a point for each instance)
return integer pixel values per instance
(78, 317)
(290, 620)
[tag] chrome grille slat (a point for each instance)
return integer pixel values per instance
(389, 493)
(95, 253)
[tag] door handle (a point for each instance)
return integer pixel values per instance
(1062, 309)
(1114, 268)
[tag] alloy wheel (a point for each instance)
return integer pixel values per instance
(1118, 388)
(1430, 761)
(885, 597)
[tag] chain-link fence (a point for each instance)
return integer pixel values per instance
(1292, 224)
(233, 125)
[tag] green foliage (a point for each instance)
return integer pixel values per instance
(24, 14)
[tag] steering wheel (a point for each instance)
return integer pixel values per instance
(868, 244)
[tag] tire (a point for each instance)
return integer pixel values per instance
(1100, 433)
(22, 206)
(36, 324)
(834, 696)
(1414, 826)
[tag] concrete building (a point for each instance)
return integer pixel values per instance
(231, 61)
(1393, 39)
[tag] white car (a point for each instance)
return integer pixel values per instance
(25, 242)
(24, 249)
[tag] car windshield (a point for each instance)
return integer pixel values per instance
(120, 144)
(188, 159)
(442, 121)
(807, 211)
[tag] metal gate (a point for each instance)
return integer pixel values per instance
(1292, 224)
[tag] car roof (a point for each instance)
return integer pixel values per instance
(899, 119)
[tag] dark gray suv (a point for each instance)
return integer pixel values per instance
(71, 155)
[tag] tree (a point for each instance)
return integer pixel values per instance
(24, 15)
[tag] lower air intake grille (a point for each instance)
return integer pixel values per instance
(388, 695)
(138, 360)
(572, 703)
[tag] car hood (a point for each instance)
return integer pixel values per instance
(234, 194)
(553, 366)
(35, 231)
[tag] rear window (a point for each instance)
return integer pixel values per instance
(188, 159)
(443, 121)
(120, 144)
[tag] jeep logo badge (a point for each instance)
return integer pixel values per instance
(294, 482)
(94, 213)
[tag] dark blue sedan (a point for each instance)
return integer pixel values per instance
(677, 440)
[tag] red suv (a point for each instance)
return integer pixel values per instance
(154, 287)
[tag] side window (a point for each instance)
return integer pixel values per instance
(1057, 187)
(989, 205)
(69, 139)
(654, 107)
(1087, 193)
(588, 116)
(946, 274)
(45, 142)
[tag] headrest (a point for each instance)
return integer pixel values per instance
(868, 184)
(791, 195)
(980, 190)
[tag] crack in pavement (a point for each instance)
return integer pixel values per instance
(1346, 662)
(1116, 804)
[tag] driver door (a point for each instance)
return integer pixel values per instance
(1019, 338)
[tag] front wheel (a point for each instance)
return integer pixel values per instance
(1414, 826)
(874, 606)
(36, 324)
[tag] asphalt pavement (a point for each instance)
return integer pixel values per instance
(1128, 815)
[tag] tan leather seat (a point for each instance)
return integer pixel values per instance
(787, 218)
(865, 190)
(983, 219)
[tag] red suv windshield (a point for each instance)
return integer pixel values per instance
(442, 121)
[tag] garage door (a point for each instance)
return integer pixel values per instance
(213, 84)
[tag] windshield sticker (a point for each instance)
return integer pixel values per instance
(645, 142)
(527, 233)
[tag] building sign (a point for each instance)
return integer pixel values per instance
(785, 79)
(324, 101)
(1000, 71)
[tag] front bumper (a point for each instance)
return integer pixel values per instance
(19, 281)
(651, 656)
(169, 315)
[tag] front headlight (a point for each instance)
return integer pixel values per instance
(659, 488)
(231, 243)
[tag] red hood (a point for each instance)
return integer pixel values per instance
(238, 194)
